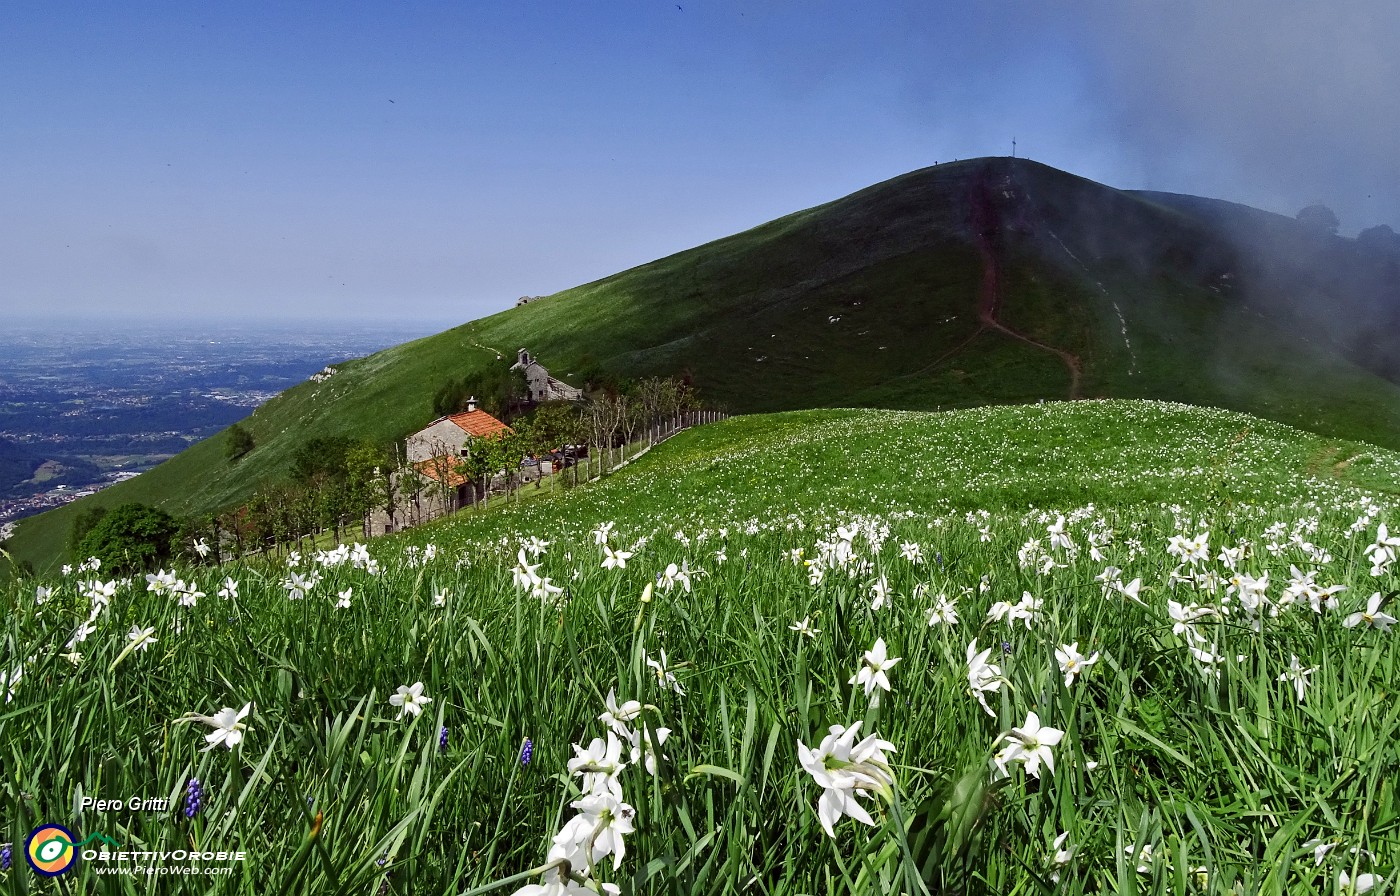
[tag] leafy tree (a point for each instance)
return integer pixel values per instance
(499, 391)
(487, 457)
(84, 523)
(238, 443)
(132, 538)
(1380, 238)
(321, 456)
(553, 423)
(1319, 218)
(365, 465)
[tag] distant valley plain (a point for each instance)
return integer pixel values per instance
(82, 406)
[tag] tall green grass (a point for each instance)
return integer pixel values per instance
(1229, 780)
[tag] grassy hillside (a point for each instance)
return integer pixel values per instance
(1228, 726)
(879, 299)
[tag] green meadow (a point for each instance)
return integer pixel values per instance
(1130, 647)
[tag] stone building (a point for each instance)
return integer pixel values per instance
(452, 434)
(539, 385)
(431, 486)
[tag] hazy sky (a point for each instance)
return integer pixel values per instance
(439, 160)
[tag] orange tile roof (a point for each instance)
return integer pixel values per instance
(434, 467)
(479, 423)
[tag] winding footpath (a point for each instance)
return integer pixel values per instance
(986, 231)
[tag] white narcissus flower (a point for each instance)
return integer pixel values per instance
(189, 594)
(1072, 662)
(675, 575)
(160, 582)
(643, 749)
(1371, 616)
(846, 769)
(618, 716)
(1142, 856)
(553, 884)
(227, 724)
(1320, 849)
(982, 676)
(664, 676)
(100, 593)
(42, 594)
(141, 638)
(80, 634)
(544, 589)
(597, 831)
(1059, 856)
(525, 574)
(872, 674)
(230, 588)
(410, 699)
(599, 765)
(1029, 745)
(1364, 883)
(615, 559)
(1297, 676)
(1130, 591)
(805, 628)
(879, 593)
(943, 612)
(297, 585)
(344, 602)
(439, 598)
(201, 547)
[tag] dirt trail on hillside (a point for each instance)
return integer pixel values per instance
(986, 232)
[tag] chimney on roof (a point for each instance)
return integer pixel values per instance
(471, 404)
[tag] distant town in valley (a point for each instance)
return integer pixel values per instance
(82, 408)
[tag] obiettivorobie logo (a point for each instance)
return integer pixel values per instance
(52, 849)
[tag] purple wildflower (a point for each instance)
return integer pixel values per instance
(1006, 647)
(527, 751)
(5, 857)
(442, 740)
(194, 798)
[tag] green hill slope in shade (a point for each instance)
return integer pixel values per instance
(879, 299)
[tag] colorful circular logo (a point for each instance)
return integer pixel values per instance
(50, 849)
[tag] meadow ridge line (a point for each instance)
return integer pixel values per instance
(985, 226)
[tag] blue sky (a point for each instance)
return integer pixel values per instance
(439, 160)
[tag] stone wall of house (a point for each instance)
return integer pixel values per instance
(442, 437)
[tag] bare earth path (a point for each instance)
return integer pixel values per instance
(986, 228)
